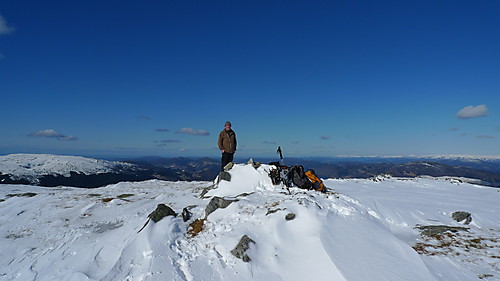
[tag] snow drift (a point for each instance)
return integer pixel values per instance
(360, 230)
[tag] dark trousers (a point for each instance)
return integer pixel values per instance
(226, 159)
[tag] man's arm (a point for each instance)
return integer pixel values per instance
(219, 142)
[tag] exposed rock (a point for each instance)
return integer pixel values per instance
(206, 190)
(217, 203)
(27, 194)
(272, 211)
(254, 164)
(240, 250)
(186, 214)
(161, 211)
(229, 166)
(462, 216)
(290, 216)
(433, 230)
(224, 175)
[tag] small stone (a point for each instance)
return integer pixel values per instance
(290, 216)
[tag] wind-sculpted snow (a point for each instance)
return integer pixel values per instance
(365, 230)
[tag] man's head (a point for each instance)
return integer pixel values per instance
(227, 125)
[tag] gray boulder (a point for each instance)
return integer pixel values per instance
(217, 203)
(462, 216)
(161, 211)
(240, 250)
(224, 175)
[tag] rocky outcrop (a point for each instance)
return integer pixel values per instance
(217, 203)
(462, 216)
(433, 230)
(240, 250)
(161, 211)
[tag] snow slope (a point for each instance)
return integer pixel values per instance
(34, 166)
(366, 231)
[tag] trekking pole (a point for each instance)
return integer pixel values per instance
(281, 155)
(283, 164)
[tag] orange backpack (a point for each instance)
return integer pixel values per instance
(318, 184)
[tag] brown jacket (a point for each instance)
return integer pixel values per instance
(227, 141)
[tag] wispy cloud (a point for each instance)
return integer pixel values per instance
(485, 137)
(163, 130)
(169, 141)
(191, 131)
(162, 143)
(143, 117)
(453, 129)
(126, 148)
(52, 134)
(325, 137)
(295, 142)
(68, 138)
(4, 28)
(473, 111)
(269, 142)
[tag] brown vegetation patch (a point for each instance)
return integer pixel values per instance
(195, 227)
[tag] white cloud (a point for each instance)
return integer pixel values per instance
(46, 134)
(473, 111)
(191, 131)
(4, 29)
(52, 134)
(269, 142)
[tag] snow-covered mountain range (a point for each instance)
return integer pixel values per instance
(36, 165)
(383, 228)
(53, 170)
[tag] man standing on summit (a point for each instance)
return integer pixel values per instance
(227, 144)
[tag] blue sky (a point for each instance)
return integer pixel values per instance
(319, 78)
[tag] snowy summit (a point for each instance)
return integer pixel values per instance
(246, 228)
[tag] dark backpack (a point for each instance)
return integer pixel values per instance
(297, 176)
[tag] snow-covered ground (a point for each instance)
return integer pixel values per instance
(365, 230)
(33, 166)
